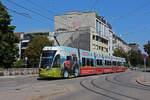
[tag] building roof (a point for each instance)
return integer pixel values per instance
(120, 39)
(101, 18)
(37, 31)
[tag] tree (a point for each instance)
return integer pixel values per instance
(135, 57)
(147, 48)
(148, 61)
(34, 49)
(119, 52)
(8, 47)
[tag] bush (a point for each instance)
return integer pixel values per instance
(19, 64)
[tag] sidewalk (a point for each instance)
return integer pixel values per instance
(16, 76)
(144, 79)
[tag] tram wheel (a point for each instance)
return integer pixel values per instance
(66, 74)
(76, 72)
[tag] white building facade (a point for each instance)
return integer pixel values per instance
(118, 42)
(101, 33)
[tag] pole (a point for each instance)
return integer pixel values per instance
(144, 68)
(26, 59)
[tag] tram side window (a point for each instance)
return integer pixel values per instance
(119, 63)
(107, 62)
(88, 62)
(69, 58)
(124, 64)
(114, 63)
(83, 62)
(99, 62)
(57, 61)
(92, 64)
(74, 58)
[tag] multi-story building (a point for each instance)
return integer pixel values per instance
(93, 32)
(135, 46)
(118, 42)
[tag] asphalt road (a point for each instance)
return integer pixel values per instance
(114, 86)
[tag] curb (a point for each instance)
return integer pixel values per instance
(142, 83)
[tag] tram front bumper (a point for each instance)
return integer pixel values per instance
(45, 73)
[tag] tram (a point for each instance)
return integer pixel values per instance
(62, 61)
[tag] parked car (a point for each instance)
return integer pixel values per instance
(134, 68)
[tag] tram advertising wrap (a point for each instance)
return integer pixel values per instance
(62, 61)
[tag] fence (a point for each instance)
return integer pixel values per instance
(19, 71)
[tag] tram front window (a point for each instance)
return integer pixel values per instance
(47, 58)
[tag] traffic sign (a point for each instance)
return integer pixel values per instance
(144, 56)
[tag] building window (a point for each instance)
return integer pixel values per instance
(106, 49)
(104, 31)
(99, 48)
(102, 48)
(93, 46)
(96, 47)
(97, 38)
(93, 37)
(97, 26)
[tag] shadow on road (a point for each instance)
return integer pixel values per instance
(48, 79)
(146, 70)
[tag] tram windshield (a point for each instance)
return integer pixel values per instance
(47, 58)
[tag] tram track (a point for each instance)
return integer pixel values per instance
(98, 88)
(115, 81)
(96, 92)
(118, 78)
(110, 91)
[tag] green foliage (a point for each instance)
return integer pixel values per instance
(96, 14)
(147, 48)
(8, 47)
(119, 52)
(148, 61)
(34, 49)
(18, 64)
(135, 57)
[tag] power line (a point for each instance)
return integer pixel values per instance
(94, 4)
(40, 6)
(45, 9)
(26, 15)
(134, 11)
(90, 10)
(23, 14)
(31, 11)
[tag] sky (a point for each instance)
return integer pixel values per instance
(129, 18)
